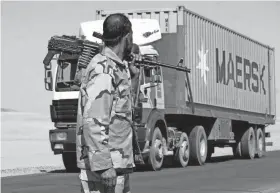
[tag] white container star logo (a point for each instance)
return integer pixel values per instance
(202, 64)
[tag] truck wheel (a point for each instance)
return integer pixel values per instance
(198, 145)
(70, 162)
(248, 144)
(182, 154)
(260, 139)
(156, 150)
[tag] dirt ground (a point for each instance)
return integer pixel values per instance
(25, 141)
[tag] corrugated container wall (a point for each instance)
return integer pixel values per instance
(228, 69)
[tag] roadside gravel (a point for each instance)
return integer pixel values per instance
(31, 170)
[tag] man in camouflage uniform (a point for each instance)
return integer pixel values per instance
(104, 132)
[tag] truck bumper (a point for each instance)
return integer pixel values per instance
(63, 140)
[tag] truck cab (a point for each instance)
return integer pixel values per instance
(63, 109)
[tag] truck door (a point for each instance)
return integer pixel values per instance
(159, 89)
(151, 90)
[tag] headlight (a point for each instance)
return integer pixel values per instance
(60, 136)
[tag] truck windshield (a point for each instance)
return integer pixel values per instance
(66, 72)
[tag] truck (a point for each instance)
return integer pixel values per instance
(227, 100)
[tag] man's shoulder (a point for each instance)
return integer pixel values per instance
(101, 64)
(97, 60)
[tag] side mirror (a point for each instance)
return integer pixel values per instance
(156, 79)
(48, 66)
(48, 80)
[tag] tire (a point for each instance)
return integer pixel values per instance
(236, 149)
(248, 144)
(182, 153)
(70, 162)
(198, 146)
(260, 141)
(156, 156)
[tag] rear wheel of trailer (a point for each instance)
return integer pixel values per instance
(198, 146)
(260, 143)
(248, 141)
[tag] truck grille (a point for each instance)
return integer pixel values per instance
(64, 110)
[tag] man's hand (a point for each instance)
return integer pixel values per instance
(109, 177)
(136, 58)
(133, 69)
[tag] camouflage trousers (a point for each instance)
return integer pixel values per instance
(122, 186)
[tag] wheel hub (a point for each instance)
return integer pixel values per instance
(260, 143)
(202, 147)
(184, 150)
(251, 141)
(158, 150)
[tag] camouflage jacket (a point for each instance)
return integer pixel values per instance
(104, 132)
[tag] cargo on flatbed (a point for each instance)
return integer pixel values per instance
(227, 99)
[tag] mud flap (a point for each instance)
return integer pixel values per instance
(138, 157)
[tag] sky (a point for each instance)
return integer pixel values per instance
(26, 28)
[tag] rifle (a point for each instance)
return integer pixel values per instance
(71, 47)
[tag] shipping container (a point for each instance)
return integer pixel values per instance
(232, 75)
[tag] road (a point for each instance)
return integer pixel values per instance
(221, 175)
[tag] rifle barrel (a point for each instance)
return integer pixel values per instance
(179, 68)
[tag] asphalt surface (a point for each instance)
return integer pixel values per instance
(221, 175)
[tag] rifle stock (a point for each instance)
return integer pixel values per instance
(97, 35)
